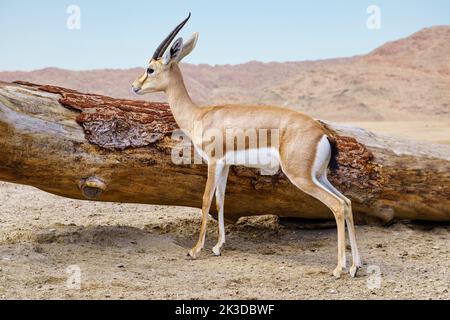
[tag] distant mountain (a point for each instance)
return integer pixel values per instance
(408, 79)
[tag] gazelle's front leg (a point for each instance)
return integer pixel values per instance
(211, 184)
(220, 201)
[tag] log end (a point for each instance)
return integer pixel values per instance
(92, 188)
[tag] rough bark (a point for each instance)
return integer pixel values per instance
(87, 146)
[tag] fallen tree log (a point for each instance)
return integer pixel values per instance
(87, 146)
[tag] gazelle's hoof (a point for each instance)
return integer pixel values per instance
(353, 271)
(216, 251)
(192, 254)
(359, 263)
(337, 272)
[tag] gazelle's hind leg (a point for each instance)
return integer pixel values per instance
(220, 201)
(335, 204)
(356, 263)
(305, 177)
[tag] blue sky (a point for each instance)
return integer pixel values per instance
(122, 34)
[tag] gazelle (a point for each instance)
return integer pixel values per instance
(304, 151)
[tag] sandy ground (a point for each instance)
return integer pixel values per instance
(433, 131)
(139, 252)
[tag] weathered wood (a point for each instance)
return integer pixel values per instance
(87, 146)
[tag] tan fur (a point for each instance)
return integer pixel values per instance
(299, 135)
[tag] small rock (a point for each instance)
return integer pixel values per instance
(404, 254)
(379, 245)
(38, 249)
(436, 248)
(120, 265)
(332, 291)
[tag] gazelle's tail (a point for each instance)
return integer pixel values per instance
(333, 164)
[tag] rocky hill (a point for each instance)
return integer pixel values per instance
(408, 79)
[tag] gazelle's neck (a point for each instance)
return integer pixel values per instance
(184, 110)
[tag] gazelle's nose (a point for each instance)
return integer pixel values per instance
(135, 89)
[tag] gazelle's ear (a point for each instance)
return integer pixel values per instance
(174, 52)
(188, 46)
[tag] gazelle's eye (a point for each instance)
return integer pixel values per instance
(150, 71)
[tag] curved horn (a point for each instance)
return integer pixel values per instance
(163, 46)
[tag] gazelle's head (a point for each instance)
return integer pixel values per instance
(157, 75)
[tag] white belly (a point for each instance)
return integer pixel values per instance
(266, 159)
(255, 158)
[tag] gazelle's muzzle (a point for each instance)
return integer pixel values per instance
(136, 89)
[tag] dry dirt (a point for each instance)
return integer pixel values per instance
(139, 252)
(433, 131)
